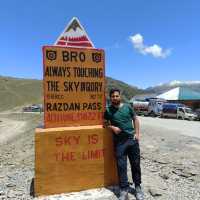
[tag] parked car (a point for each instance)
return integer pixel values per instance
(178, 111)
(33, 108)
(186, 113)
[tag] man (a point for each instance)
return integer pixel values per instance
(121, 119)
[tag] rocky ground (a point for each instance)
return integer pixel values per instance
(17, 155)
(170, 160)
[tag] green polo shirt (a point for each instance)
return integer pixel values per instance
(121, 117)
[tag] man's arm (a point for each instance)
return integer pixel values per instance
(114, 129)
(137, 127)
(107, 123)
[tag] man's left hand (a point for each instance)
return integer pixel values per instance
(137, 136)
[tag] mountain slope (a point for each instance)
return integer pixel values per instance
(20, 92)
(17, 92)
(194, 85)
(127, 91)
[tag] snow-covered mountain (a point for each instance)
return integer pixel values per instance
(178, 83)
(163, 87)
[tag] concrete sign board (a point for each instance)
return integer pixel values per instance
(74, 86)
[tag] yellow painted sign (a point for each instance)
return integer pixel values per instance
(73, 158)
(74, 86)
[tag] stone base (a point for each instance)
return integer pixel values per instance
(73, 159)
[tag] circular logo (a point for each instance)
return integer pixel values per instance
(96, 57)
(51, 55)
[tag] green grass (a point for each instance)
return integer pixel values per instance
(17, 92)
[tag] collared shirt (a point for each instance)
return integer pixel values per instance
(122, 117)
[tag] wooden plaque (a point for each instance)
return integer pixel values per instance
(73, 158)
(74, 86)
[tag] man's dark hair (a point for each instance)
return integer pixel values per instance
(114, 90)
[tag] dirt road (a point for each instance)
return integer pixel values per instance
(170, 160)
(185, 127)
(10, 129)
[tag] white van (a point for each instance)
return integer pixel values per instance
(178, 111)
(186, 113)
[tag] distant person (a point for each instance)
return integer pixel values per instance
(122, 120)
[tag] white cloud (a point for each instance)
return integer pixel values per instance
(154, 50)
(137, 40)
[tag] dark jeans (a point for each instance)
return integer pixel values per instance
(128, 148)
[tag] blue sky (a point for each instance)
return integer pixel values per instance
(146, 42)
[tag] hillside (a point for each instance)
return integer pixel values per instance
(127, 91)
(19, 92)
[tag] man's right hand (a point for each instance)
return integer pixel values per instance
(115, 129)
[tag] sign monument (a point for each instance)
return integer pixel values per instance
(73, 151)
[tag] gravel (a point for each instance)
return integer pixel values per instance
(170, 160)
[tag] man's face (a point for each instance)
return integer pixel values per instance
(115, 98)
